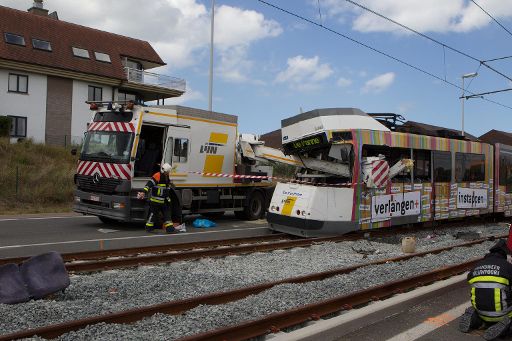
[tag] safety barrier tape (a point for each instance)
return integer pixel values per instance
(266, 177)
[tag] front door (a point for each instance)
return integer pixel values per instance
(177, 152)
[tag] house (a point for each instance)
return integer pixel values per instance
(496, 136)
(50, 67)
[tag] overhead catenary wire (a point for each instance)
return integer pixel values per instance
(429, 38)
(490, 16)
(377, 50)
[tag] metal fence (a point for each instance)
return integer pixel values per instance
(22, 184)
(67, 141)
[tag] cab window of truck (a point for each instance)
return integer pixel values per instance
(107, 146)
(180, 150)
(168, 151)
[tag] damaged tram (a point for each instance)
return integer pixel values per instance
(356, 174)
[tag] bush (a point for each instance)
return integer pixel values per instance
(5, 126)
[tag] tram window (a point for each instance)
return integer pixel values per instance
(373, 150)
(442, 166)
(421, 164)
(396, 155)
(469, 167)
(506, 171)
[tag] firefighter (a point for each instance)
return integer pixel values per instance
(162, 200)
(491, 296)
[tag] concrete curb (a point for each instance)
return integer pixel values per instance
(336, 327)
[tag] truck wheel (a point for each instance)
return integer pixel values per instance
(108, 221)
(254, 208)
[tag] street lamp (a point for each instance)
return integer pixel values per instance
(468, 75)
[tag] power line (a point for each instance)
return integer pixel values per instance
(429, 38)
(490, 16)
(374, 49)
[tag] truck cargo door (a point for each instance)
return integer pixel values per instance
(177, 151)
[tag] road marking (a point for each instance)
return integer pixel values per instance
(45, 218)
(127, 238)
(431, 324)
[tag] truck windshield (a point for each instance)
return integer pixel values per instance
(107, 146)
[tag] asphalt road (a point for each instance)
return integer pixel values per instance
(33, 234)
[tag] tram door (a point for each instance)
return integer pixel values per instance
(422, 181)
(442, 176)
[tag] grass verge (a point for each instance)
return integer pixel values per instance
(35, 178)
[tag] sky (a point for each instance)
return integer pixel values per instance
(270, 65)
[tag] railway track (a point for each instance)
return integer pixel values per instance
(131, 257)
(274, 321)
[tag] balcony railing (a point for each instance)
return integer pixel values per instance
(148, 78)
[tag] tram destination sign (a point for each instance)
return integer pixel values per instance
(471, 197)
(307, 143)
(396, 205)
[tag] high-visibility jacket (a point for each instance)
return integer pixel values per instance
(159, 188)
(490, 282)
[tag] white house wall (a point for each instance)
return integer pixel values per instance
(31, 105)
(81, 115)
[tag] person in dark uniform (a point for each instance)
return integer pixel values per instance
(162, 200)
(491, 295)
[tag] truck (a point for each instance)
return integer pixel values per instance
(214, 168)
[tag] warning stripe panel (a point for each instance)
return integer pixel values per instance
(105, 170)
(123, 127)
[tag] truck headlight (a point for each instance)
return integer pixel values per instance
(118, 205)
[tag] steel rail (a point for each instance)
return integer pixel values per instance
(179, 306)
(275, 322)
(89, 255)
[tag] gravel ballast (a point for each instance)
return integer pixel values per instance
(117, 290)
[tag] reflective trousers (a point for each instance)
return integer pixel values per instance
(155, 210)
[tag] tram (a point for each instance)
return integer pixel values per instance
(439, 176)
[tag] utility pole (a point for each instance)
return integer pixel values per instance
(210, 83)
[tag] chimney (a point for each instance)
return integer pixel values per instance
(37, 8)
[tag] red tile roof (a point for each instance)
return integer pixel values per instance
(64, 35)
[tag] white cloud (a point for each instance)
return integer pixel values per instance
(304, 73)
(379, 83)
(188, 96)
(179, 30)
(423, 16)
(344, 82)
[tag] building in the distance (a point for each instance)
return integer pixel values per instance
(49, 68)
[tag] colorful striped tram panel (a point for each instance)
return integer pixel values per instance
(450, 178)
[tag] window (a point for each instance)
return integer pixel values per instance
(421, 165)
(82, 53)
(102, 57)
(41, 45)
(18, 83)
(442, 166)
(469, 167)
(18, 126)
(95, 93)
(506, 170)
(168, 151)
(396, 155)
(15, 39)
(180, 150)
(124, 96)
